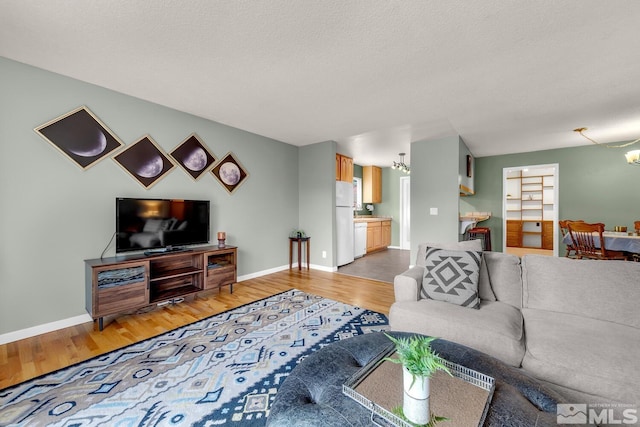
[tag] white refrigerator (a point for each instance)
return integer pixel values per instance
(344, 222)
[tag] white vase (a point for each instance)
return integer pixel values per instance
(416, 398)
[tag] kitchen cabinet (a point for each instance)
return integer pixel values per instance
(378, 235)
(386, 233)
(373, 229)
(547, 235)
(371, 184)
(514, 233)
(344, 168)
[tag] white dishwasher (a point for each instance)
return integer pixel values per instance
(359, 239)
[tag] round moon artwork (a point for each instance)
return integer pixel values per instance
(230, 173)
(152, 168)
(196, 160)
(88, 143)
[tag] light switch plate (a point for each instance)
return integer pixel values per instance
(433, 211)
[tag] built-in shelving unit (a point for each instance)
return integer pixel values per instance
(121, 284)
(530, 208)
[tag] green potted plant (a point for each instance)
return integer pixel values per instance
(419, 362)
(297, 233)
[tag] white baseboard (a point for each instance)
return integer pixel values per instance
(322, 268)
(84, 318)
(262, 273)
(43, 329)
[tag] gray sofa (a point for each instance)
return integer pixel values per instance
(572, 324)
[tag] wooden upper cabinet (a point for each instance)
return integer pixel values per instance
(344, 168)
(371, 184)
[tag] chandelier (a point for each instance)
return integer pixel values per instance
(633, 156)
(401, 166)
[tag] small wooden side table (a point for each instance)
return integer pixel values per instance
(300, 241)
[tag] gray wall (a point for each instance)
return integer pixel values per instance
(434, 184)
(596, 184)
(317, 189)
(55, 215)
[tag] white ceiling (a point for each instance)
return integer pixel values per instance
(507, 76)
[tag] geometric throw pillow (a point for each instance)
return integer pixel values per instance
(452, 276)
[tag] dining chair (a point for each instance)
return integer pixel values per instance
(584, 240)
(636, 226)
(564, 230)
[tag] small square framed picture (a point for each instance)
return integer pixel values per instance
(230, 172)
(145, 161)
(194, 157)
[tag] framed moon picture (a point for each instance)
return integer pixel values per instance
(229, 172)
(145, 161)
(81, 137)
(194, 157)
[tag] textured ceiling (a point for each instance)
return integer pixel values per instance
(507, 76)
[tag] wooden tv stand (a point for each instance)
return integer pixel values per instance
(122, 284)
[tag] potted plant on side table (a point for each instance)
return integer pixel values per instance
(419, 363)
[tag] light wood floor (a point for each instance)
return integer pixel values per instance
(523, 251)
(29, 358)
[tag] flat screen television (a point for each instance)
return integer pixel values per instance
(160, 224)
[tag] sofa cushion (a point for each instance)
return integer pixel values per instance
(596, 357)
(495, 329)
(605, 290)
(452, 276)
(484, 286)
(504, 274)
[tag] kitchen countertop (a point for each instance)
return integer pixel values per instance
(470, 219)
(367, 218)
(474, 218)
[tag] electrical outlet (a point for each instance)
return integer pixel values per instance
(324, 254)
(433, 211)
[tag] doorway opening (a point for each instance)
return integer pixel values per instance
(530, 209)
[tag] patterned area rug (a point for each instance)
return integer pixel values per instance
(223, 370)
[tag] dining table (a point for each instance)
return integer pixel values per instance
(614, 241)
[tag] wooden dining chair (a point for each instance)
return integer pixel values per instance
(584, 240)
(636, 226)
(564, 230)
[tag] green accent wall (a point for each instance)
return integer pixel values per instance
(55, 215)
(390, 205)
(596, 185)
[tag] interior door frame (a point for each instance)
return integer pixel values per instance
(405, 211)
(556, 202)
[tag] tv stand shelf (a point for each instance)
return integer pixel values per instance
(177, 273)
(121, 284)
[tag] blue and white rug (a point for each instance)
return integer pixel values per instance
(223, 370)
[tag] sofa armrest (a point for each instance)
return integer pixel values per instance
(407, 285)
